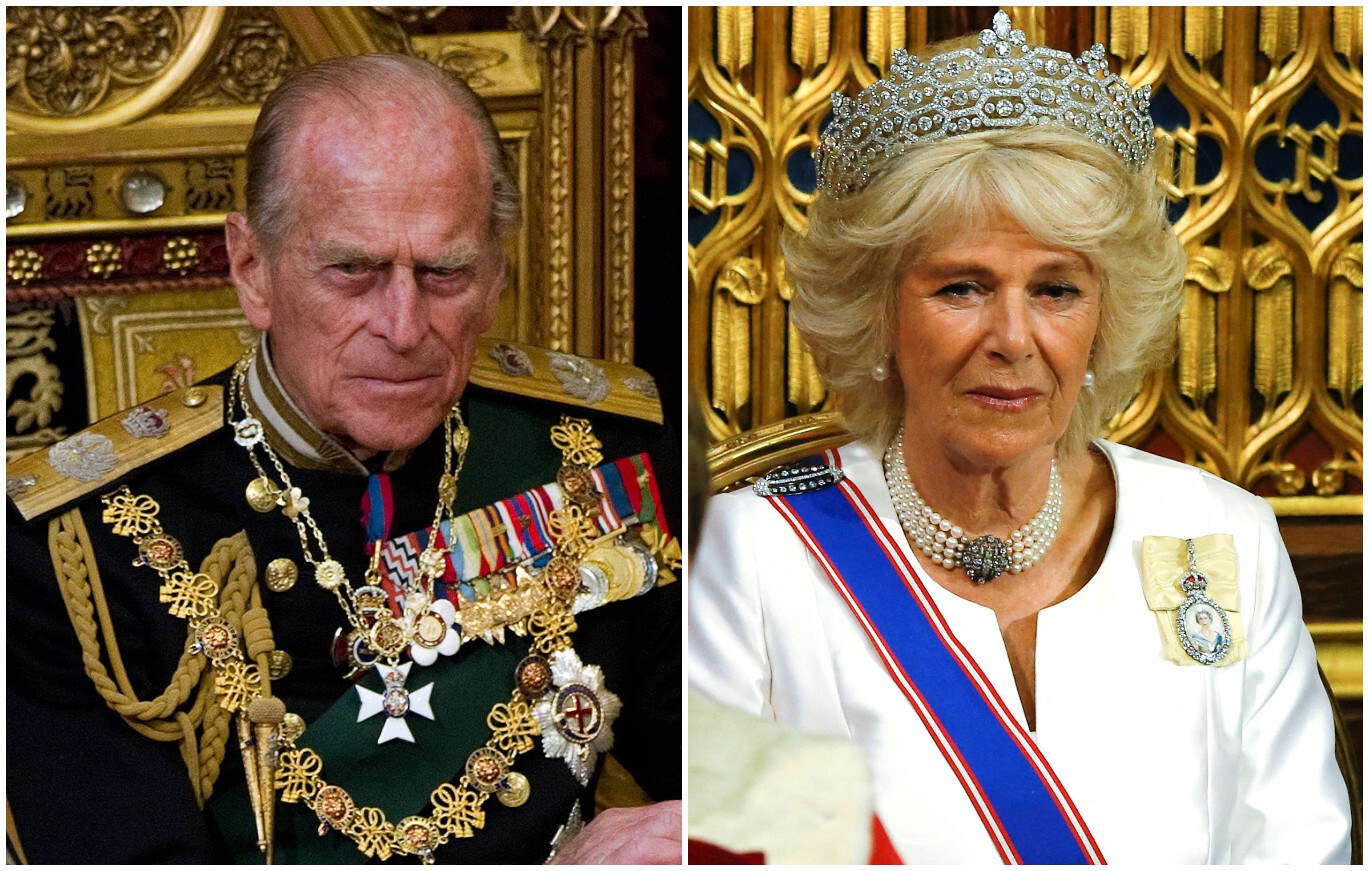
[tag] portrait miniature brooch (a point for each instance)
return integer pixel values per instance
(1191, 585)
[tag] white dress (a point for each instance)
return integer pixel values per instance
(1167, 764)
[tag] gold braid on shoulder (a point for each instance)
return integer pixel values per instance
(185, 711)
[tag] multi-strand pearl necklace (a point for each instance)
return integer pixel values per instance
(983, 558)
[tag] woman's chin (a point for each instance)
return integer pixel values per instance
(1003, 448)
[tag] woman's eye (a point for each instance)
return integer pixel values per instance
(959, 289)
(1060, 290)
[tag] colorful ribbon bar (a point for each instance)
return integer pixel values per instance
(489, 542)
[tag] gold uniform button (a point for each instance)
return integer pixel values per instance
(279, 663)
(281, 575)
(194, 397)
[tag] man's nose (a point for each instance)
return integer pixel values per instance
(400, 315)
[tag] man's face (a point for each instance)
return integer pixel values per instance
(385, 277)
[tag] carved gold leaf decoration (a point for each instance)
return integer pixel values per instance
(743, 278)
(1210, 271)
(740, 285)
(1328, 479)
(707, 184)
(1278, 31)
(470, 62)
(1347, 32)
(1177, 176)
(1203, 31)
(805, 388)
(1129, 31)
(1287, 478)
(886, 28)
(736, 32)
(1269, 272)
(1345, 323)
(809, 36)
(62, 60)
(255, 61)
(1266, 264)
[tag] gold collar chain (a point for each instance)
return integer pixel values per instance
(426, 621)
(550, 672)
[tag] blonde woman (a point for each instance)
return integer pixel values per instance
(989, 600)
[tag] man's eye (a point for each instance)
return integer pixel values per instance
(349, 267)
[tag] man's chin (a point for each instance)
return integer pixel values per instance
(378, 436)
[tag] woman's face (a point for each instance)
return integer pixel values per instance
(995, 335)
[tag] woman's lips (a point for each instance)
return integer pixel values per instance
(1000, 399)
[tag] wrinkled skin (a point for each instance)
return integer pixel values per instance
(628, 836)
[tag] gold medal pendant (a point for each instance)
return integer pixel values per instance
(262, 495)
(517, 791)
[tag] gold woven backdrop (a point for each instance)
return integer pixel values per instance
(1261, 130)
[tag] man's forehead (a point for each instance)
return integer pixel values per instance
(385, 139)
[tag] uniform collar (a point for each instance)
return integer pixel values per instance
(297, 440)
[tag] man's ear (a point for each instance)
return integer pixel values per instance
(248, 268)
(496, 290)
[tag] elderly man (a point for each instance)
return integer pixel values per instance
(348, 599)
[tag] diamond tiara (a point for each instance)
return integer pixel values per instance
(1003, 83)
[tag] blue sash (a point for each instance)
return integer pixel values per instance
(1024, 807)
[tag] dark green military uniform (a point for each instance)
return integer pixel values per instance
(83, 786)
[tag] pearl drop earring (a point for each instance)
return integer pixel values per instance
(881, 371)
(1088, 379)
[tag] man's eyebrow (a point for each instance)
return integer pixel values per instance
(336, 252)
(458, 257)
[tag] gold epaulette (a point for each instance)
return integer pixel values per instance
(567, 378)
(111, 448)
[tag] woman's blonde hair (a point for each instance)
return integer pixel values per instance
(1062, 187)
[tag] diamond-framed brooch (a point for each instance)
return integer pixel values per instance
(1203, 626)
